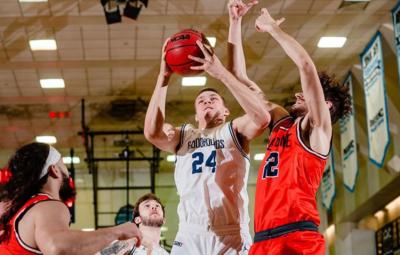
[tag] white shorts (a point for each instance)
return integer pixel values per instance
(195, 240)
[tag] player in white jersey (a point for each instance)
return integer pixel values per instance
(149, 215)
(212, 161)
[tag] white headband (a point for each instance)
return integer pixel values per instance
(52, 159)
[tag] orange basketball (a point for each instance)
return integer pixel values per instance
(179, 47)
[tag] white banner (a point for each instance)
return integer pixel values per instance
(348, 147)
(375, 100)
(328, 188)
(396, 26)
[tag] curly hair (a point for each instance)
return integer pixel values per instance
(25, 167)
(337, 94)
(148, 196)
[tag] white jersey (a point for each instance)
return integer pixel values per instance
(156, 251)
(211, 175)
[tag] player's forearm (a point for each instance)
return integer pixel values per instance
(235, 49)
(71, 242)
(251, 103)
(155, 114)
(302, 60)
(237, 58)
(293, 49)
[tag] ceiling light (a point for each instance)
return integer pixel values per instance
(68, 160)
(194, 81)
(52, 83)
(212, 40)
(171, 158)
(46, 139)
(259, 156)
(32, 1)
(331, 42)
(48, 44)
(87, 229)
(393, 205)
(380, 215)
(330, 233)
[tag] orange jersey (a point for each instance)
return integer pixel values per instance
(15, 245)
(288, 179)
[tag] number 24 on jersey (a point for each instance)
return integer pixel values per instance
(198, 162)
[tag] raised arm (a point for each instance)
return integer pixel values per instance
(156, 130)
(256, 113)
(53, 236)
(319, 116)
(236, 59)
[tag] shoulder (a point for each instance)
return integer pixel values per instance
(50, 208)
(285, 121)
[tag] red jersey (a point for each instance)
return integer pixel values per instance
(15, 245)
(288, 179)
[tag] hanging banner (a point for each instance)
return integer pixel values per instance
(375, 101)
(348, 143)
(328, 188)
(396, 27)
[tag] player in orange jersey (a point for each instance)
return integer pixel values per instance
(286, 218)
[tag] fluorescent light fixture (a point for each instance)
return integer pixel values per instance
(194, 81)
(68, 160)
(212, 40)
(46, 139)
(87, 229)
(380, 215)
(52, 83)
(171, 158)
(330, 233)
(32, 1)
(259, 156)
(331, 42)
(393, 205)
(49, 44)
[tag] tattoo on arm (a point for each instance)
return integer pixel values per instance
(114, 248)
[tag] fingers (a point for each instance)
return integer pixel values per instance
(165, 43)
(206, 53)
(252, 3)
(280, 21)
(197, 59)
(197, 67)
(138, 241)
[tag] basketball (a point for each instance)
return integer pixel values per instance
(179, 47)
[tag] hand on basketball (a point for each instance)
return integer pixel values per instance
(165, 71)
(210, 63)
(265, 23)
(238, 9)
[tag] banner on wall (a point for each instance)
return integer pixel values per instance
(396, 27)
(387, 238)
(348, 143)
(375, 101)
(328, 189)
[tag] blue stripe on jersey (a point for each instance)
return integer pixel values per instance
(236, 141)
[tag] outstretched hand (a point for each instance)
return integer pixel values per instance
(237, 8)
(265, 23)
(210, 63)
